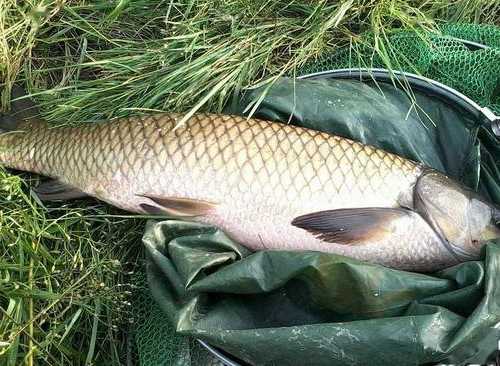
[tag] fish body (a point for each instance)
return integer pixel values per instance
(268, 185)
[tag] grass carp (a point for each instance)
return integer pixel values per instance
(268, 185)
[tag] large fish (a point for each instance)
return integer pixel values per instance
(268, 185)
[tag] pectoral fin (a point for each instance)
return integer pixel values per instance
(174, 206)
(352, 226)
(54, 190)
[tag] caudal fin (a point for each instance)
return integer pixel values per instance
(22, 111)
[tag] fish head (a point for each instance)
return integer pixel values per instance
(463, 218)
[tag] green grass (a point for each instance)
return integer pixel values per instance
(105, 59)
(64, 280)
(65, 269)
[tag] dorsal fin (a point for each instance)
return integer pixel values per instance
(55, 190)
(23, 111)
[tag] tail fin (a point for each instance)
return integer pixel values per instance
(23, 111)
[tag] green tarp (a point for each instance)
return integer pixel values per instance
(298, 308)
(295, 308)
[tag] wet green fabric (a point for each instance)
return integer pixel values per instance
(285, 308)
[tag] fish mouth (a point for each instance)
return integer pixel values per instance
(496, 216)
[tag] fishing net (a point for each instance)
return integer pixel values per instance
(470, 69)
(156, 342)
(445, 58)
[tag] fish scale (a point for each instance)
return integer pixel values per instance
(261, 150)
(247, 139)
(258, 176)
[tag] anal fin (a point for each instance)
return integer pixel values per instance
(55, 190)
